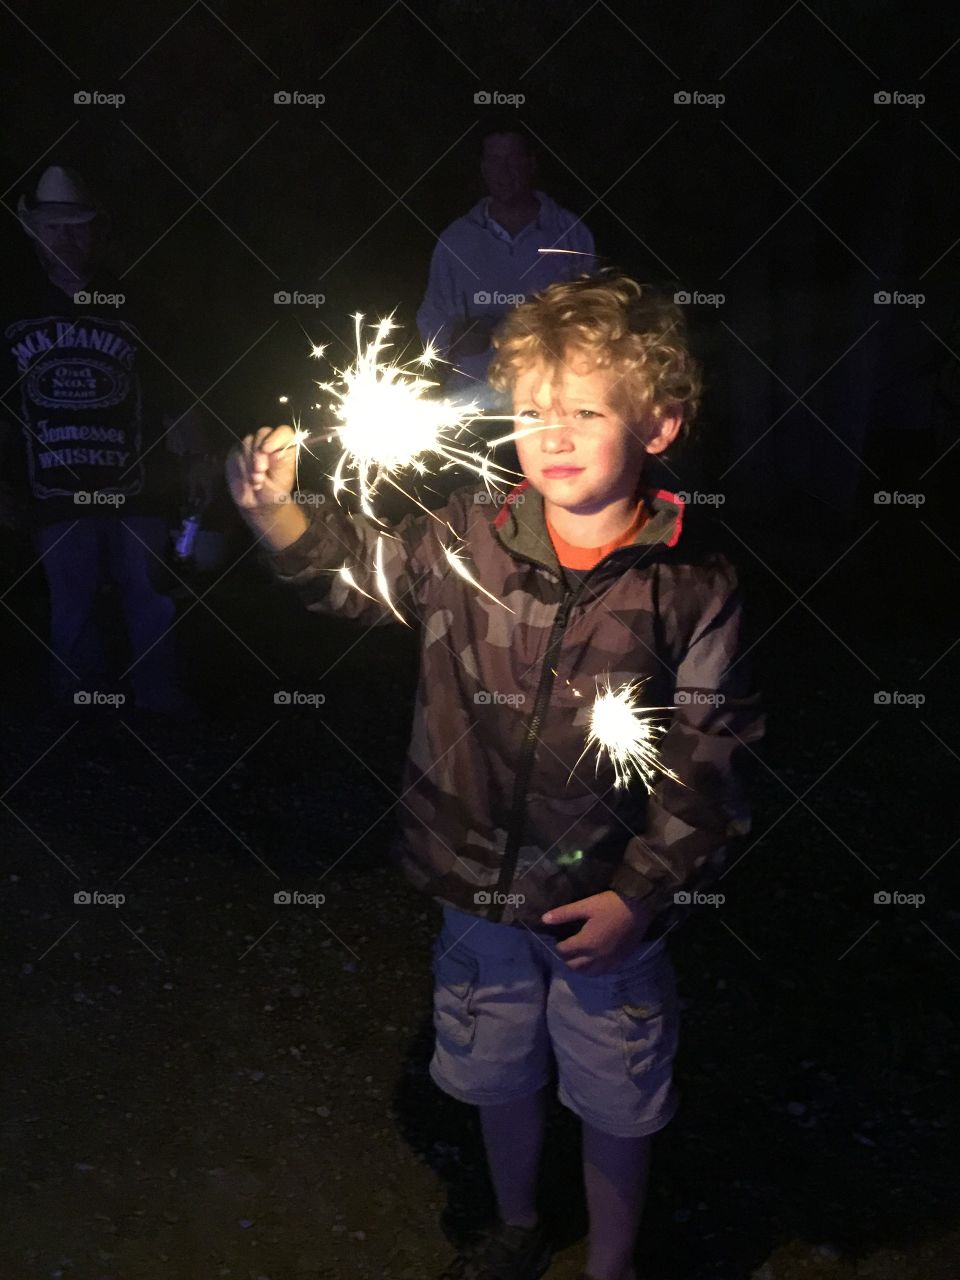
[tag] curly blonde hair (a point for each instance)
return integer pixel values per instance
(616, 324)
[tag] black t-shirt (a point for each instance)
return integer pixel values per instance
(84, 390)
(574, 578)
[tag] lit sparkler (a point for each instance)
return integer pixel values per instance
(625, 730)
(386, 423)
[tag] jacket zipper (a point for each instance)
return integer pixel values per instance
(525, 766)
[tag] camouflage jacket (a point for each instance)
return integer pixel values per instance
(502, 817)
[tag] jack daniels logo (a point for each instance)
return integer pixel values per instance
(80, 404)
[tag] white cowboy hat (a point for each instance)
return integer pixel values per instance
(61, 196)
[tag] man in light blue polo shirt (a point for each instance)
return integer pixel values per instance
(488, 261)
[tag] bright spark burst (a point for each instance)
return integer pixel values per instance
(388, 424)
(626, 732)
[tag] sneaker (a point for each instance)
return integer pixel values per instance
(505, 1253)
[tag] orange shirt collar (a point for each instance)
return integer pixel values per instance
(582, 558)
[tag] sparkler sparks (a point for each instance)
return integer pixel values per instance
(387, 423)
(626, 732)
(382, 584)
(459, 567)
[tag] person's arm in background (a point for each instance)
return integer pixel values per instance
(471, 337)
(191, 437)
(309, 547)
(442, 319)
(193, 440)
(689, 827)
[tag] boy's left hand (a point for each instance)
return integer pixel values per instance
(614, 928)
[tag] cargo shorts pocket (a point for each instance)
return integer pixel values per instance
(647, 1012)
(456, 974)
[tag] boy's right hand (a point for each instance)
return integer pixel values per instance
(262, 471)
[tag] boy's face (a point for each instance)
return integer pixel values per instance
(586, 456)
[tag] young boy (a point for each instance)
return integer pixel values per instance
(557, 889)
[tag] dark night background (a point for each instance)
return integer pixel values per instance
(201, 1084)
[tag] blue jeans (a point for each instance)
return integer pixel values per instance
(79, 557)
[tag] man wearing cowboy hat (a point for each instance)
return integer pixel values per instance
(98, 440)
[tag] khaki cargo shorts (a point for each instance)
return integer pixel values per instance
(508, 1010)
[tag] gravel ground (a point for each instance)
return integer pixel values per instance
(202, 1083)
